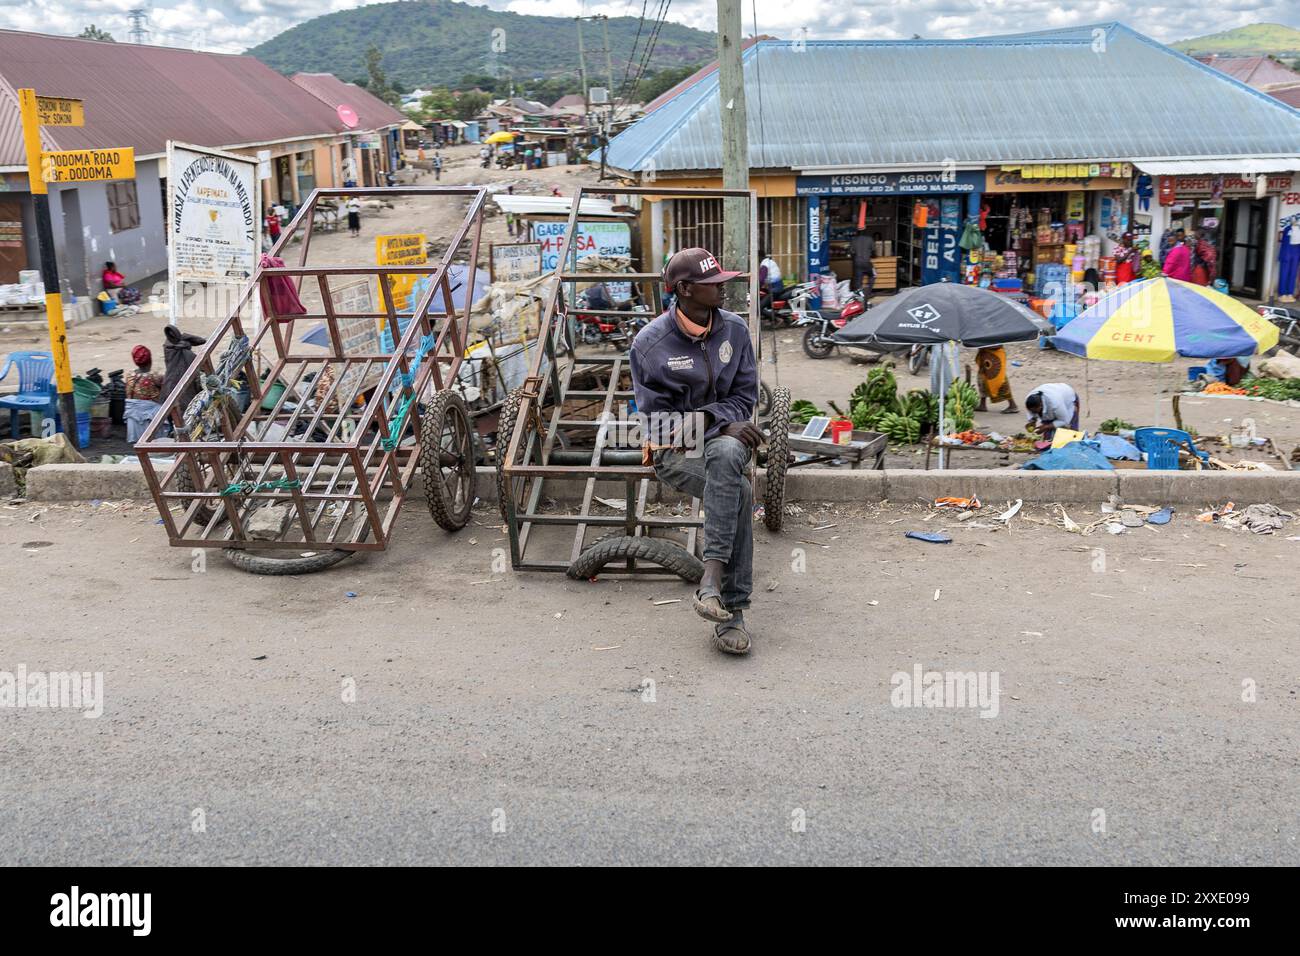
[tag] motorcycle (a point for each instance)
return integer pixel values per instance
(789, 307)
(597, 329)
(1287, 321)
(820, 324)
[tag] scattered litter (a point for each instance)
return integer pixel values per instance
(1070, 524)
(1209, 517)
(32, 545)
(350, 594)
(672, 601)
(559, 614)
(1129, 518)
(825, 526)
(773, 586)
(614, 503)
(872, 603)
(1032, 633)
(473, 540)
(1115, 528)
(1263, 519)
(1160, 517)
(963, 503)
(1012, 511)
(930, 536)
(488, 581)
(966, 516)
(937, 592)
(260, 657)
(815, 543)
(611, 647)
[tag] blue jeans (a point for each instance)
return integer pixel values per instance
(720, 479)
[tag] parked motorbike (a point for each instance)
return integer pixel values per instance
(1287, 321)
(820, 324)
(598, 329)
(789, 307)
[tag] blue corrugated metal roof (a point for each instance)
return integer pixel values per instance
(1088, 92)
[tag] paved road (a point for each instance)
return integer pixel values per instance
(519, 701)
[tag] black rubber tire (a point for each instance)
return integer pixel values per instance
(185, 482)
(916, 361)
(811, 348)
(262, 563)
(778, 459)
(506, 419)
(447, 411)
(764, 401)
(658, 551)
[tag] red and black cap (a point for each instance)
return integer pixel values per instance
(695, 265)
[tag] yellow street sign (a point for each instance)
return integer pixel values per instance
(88, 165)
(400, 250)
(60, 111)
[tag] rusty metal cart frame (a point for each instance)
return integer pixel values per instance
(534, 455)
(345, 489)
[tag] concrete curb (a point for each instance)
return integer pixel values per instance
(8, 486)
(126, 480)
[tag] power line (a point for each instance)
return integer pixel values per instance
(139, 17)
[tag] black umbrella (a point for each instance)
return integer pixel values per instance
(944, 312)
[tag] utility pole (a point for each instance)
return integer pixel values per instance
(735, 147)
(49, 264)
(582, 73)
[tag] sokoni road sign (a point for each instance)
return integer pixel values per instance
(60, 111)
(88, 165)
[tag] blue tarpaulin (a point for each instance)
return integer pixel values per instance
(1072, 457)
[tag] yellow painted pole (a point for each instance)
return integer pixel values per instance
(49, 264)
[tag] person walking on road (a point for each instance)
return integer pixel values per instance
(862, 248)
(1178, 261)
(437, 168)
(995, 383)
(353, 206)
(695, 379)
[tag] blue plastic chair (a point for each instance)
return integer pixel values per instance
(1161, 446)
(35, 369)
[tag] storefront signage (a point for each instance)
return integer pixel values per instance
(1006, 179)
(515, 261)
(931, 183)
(816, 249)
(606, 240)
(1089, 170)
(1174, 189)
(407, 249)
(942, 257)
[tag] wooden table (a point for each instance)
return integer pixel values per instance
(933, 444)
(863, 446)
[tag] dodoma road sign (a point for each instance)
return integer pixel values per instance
(60, 111)
(88, 165)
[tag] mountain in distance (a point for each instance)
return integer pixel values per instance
(1257, 39)
(437, 42)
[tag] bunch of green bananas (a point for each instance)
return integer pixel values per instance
(900, 428)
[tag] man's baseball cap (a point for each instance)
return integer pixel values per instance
(695, 265)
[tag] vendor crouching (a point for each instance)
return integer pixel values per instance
(696, 386)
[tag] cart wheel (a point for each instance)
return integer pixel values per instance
(778, 458)
(185, 482)
(270, 562)
(764, 401)
(815, 344)
(447, 460)
(506, 419)
(658, 551)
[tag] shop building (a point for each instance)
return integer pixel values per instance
(140, 97)
(914, 140)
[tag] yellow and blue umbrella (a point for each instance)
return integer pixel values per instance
(1156, 320)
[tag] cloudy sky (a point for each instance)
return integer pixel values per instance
(233, 25)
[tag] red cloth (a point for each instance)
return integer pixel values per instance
(1178, 263)
(279, 297)
(1123, 273)
(113, 280)
(1201, 276)
(141, 355)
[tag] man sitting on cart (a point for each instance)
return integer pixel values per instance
(696, 385)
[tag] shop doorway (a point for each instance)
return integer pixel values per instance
(13, 255)
(74, 242)
(1243, 245)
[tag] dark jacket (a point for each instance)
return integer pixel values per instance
(178, 354)
(715, 374)
(861, 249)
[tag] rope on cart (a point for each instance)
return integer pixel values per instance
(249, 487)
(408, 381)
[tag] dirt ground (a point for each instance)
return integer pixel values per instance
(1139, 393)
(424, 705)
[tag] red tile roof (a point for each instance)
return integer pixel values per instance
(141, 96)
(373, 112)
(1261, 72)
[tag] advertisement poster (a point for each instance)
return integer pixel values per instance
(602, 239)
(942, 255)
(515, 261)
(213, 208)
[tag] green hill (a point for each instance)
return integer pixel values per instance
(437, 42)
(1258, 39)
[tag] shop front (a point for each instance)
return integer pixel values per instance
(1048, 224)
(914, 217)
(1236, 215)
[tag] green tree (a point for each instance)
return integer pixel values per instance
(377, 82)
(93, 32)
(469, 105)
(439, 104)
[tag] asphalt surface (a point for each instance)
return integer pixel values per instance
(502, 717)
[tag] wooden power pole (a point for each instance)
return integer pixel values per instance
(735, 147)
